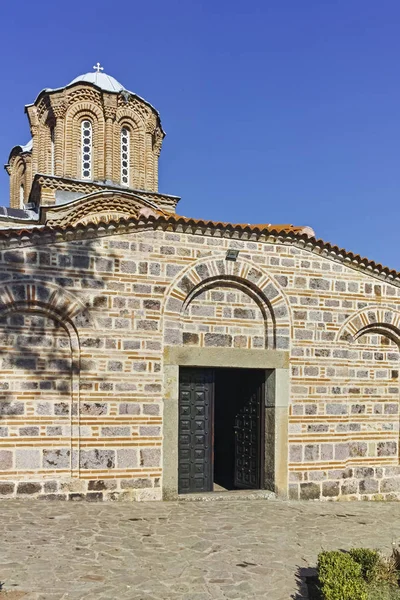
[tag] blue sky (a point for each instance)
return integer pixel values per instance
(277, 111)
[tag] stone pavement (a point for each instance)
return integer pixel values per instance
(177, 550)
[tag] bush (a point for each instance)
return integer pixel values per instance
(341, 577)
(383, 591)
(370, 562)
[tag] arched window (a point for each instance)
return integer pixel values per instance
(52, 155)
(21, 196)
(125, 156)
(86, 149)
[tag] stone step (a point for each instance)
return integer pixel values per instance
(231, 495)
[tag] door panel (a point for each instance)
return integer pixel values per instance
(249, 423)
(195, 450)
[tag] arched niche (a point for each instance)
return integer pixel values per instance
(231, 303)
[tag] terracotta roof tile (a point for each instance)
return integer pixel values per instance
(302, 237)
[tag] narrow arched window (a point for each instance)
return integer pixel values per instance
(86, 149)
(52, 154)
(125, 156)
(21, 196)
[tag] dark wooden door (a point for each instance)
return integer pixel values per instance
(195, 450)
(249, 425)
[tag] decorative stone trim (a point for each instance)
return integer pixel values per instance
(243, 275)
(45, 235)
(382, 319)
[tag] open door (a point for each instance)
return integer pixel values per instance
(249, 430)
(221, 429)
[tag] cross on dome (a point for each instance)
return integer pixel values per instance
(98, 68)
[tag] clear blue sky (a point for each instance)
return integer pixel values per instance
(279, 111)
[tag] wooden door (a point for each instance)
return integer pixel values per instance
(195, 446)
(249, 426)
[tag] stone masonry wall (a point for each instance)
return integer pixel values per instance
(84, 324)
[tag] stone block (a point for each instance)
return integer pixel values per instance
(219, 340)
(311, 452)
(27, 459)
(149, 430)
(56, 458)
(293, 491)
(6, 460)
(97, 459)
(330, 488)
(135, 483)
(117, 431)
(11, 408)
(368, 486)
(150, 457)
(295, 453)
(326, 451)
(349, 487)
(151, 409)
(94, 497)
(190, 339)
(129, 408)
(358, 449)
(28, 487)
(341, 451)
(50, 486)
(390, 485)
(52, 497)
(100, 485)
(310, 491)
(387, 448)
(127, 458)
(6, 488)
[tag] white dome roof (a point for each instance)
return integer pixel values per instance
(102, 80)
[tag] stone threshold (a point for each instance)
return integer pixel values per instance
(231, 495)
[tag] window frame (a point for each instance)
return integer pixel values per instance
(86, 172)
(125, 155)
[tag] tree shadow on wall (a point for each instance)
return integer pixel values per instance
(39, 368)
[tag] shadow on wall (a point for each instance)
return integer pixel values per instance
(49, 299)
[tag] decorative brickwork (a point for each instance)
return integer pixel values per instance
(63, 112)
(106, 293)
(129, 295)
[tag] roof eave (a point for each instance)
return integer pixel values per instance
(93, 85)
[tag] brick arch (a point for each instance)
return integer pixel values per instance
(241, 274)
(18, 178)
(378, 319)
(135, 124)
(75, 115)
(47, 298)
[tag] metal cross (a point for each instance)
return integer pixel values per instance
(98, 68)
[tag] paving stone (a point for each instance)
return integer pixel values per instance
(247, 550)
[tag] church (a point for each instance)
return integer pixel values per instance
(146, 355)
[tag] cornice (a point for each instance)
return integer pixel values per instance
(273, 234)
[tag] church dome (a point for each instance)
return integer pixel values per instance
(101, 80)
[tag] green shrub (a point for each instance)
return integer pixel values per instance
(340, 577)
(370, 562)
(383, 591)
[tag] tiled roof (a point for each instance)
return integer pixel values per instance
(301, 237)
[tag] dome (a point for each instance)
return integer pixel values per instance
(101, 80)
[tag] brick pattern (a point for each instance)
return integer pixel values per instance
(224, 317)
(64, 111)
(119, 299)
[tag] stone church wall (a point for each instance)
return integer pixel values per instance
(83, 328)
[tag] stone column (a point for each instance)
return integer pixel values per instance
(149, 153)
(109, 113)
(59, 111)
(157, 142)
